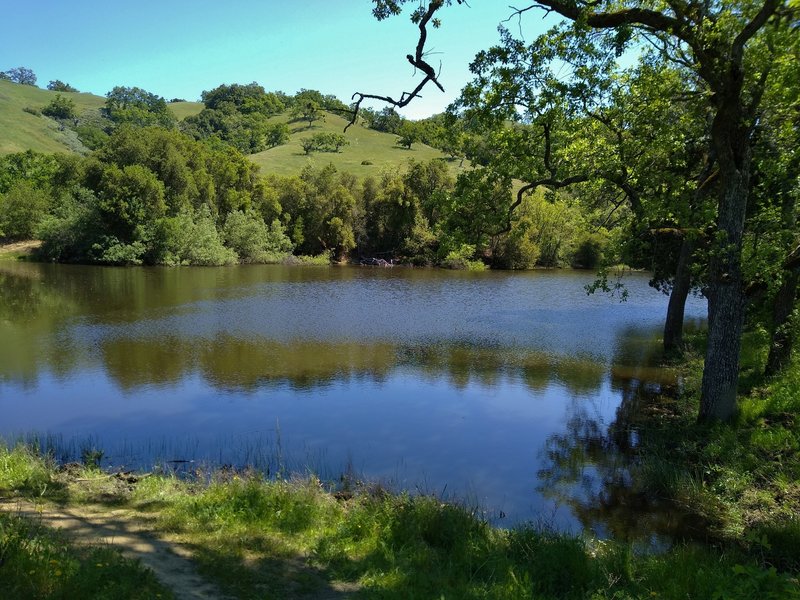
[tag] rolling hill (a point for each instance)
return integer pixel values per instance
(20, 130)
(368, 153)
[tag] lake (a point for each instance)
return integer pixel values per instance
(480, 387)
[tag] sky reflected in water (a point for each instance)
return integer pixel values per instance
(441, 382)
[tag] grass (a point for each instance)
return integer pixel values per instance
(259, 538)
(19, 250)
(39, 563)
(20, 130)
(366, 146)
(181, 110)
(742, 479)
(369, 153)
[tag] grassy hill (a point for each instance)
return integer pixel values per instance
(379, 148)
(20, 130)
(181, 110)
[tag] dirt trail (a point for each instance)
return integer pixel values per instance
(118, 528)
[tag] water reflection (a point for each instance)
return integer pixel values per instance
(431, 379)
(588, 465)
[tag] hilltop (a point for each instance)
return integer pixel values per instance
(369, 152)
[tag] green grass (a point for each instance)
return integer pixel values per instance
(366, 145)
(20, 131)
(742, 479)
(277, 539)
(181, 110)
(39, 563)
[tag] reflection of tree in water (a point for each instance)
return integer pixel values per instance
(591, 466)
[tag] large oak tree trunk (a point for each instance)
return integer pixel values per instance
(725, 296)
(673, 326)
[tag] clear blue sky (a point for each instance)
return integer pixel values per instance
(178, 48)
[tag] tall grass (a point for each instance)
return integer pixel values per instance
(267, 538)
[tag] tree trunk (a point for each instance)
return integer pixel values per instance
(725, 298)
(780, 348)
(673, 326)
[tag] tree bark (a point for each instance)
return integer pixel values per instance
(780, 348)
(682, 284)
(730, 137)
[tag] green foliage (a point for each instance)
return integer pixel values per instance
(57, 85)
(190, 238)
(21, 75)
(91, 136)
(461, 258)
(246, 99)
(40, 563)
(252, 240)
(320, 208)
(135, 106)
(22, 208)
(589, 251)
(60, 107)
(32, 167)
(68, 233)
(306, 109)
(22, 470)
(324, 141)
(410, 133)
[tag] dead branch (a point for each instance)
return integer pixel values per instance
(417, 60)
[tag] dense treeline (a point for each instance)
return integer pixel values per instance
(156, 196)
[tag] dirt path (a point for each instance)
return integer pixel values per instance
(118, 528)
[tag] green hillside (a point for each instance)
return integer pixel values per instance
(369, 145)
(20, 130)
(181, 110)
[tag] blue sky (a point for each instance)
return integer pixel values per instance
(178, 48)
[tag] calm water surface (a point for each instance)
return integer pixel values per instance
(486, 387)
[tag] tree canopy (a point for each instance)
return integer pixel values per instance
(725, 52)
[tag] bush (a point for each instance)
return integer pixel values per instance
(67, 234)
(91, 136)
(60, 107)
(589, 252)
(190, 238)
(254, 242)
(33, 111)
(461, 259)
(21, 211)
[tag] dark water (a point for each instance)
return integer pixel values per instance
(479, 386)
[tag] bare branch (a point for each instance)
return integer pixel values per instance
(417, 60)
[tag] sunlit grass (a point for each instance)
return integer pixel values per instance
(266, 538)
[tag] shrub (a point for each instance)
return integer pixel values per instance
(33, 111)
(67, 234)
(248, 235)
(21, 210)
(60, 107)
(461, 258)
(190, 238)
(589, 252)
